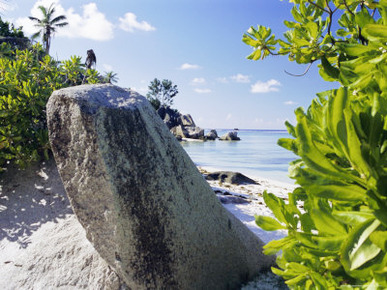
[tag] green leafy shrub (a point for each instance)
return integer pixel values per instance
(26, 83)
(161, 93)
(27, 79)
(12, 36)
(340, 237)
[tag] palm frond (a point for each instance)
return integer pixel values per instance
(43, 10)
(61, 24)
(34, 19)
(58, 18)
(35, 35)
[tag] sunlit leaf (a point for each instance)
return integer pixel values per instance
(268, 224)
(358, 248)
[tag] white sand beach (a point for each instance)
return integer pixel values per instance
(43, 246)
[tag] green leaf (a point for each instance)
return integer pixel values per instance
(354, 145)
(288, 144)
(375, 32)
(255, 55)
(326, 224)
(356, 49)
(352, 217)
(268, 224)
(276, 205)
(291, 129)
(296, 280)
(318, 280)
(379, 238)
(329, 69)
(297, 268)
(339, 192)
(363, 17)
(358, 248)
(333, 243)
(275, 246)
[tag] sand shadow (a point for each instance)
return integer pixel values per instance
(249, 221)
(30, 198)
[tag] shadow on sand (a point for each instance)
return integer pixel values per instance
(30, 198)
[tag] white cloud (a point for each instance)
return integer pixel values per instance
(198, 81)
(203, 91)
(289, 103)
(229, 116)
(91, 24)
(186, 66)
(265, 87)
(240, 78)
(129, 23)
(222, 80)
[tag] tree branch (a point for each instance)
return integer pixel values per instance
(304, 73)
(318, 6)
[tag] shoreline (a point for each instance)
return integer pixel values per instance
(35, 218)
(252, 176)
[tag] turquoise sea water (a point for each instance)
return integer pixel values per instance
(256, 155)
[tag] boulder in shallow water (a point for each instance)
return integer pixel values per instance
(195, 132)
(145, 207)
(212, 135)
(230, 136)
(187, 121)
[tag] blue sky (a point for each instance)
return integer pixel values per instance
(194, 43)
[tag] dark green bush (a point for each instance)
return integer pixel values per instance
(27, 79)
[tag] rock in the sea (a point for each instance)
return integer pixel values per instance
(195, 132)
(230, 177)
(212, 135)
(187, 121)
(230, 136)
(144, 205)
(188, 132)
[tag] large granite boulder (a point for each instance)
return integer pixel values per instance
(187, 121)
(230, 177)
(195, 132)
(212, 135)
(230, 136)
(181, 131)
(145, 207)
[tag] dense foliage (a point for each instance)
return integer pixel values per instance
(13, 36)
(27, 79)
(340, 237)
(161, 93)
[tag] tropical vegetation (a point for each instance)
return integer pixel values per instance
(47, 25)
(27, 79)
(110, 77)
(161, 93)
(13, 36)
(339, 238)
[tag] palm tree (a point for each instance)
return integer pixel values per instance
(47, 25)
(110, 77)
